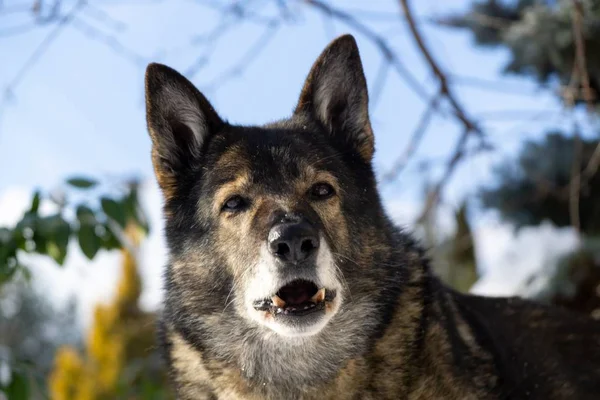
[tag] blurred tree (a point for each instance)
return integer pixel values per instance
(535, 187)
(94, 227)
(462, 253)
(454, 258)
(120, 358)
(30, 332)
(29, 337)
(539, 36)
(574, 282)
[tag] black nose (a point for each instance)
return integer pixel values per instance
(293, 241)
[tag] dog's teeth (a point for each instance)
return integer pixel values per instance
(278, 301)
(319, 296)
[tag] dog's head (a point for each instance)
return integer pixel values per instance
(269, 221)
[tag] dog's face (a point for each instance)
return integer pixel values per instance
(258, 218)
(277, 216)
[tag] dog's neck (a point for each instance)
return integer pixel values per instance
(290, 364)
(273, 366)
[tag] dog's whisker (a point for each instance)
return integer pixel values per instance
(234, 286)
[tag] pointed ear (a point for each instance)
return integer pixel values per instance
(180, 120)
(335, 94)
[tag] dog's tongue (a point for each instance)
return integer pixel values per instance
(296, 293)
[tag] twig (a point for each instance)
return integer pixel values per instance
(210, 40)
(490, 85)
(445, 89)
(379, 41)
(490, 21)
(434, 195)
(513, 114)
(379, 83)
(588, 93)
(37, 54)
(414, 85)
(580, 60)
(593, 164)
(415, 139)
(240, 10)
(580, 71)
(104, 17)
(470, 127)
(18, 29)
(43, 47)
(575, 183)
(110, 41)
(252, 53)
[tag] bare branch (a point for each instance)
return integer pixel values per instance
(446, 91)
(580, 73)
(470, 127)
(515, 114)
(575, 183)
(379, 83)
(110, 41)
(580, 60)
(379, 41)
(588, 93)
(434, 195)
(490, 85)
(95, 12)
(18, 29)
(43, 46)
(248, 57)
(415, 139)
(211, 39)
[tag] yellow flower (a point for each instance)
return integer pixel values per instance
(66, 375)
(115, 330)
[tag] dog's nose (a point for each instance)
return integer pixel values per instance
(293, 241)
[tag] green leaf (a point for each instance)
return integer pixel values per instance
(114, 210)
(89, 242)
(110, 240)
(8, 252)
(35, 203)
(134, 210)
(8, 269)
(59, 233)
(5, 236)
(85, 215)
(25, 272)
(18, 388)
(25, 231)
(82, 183)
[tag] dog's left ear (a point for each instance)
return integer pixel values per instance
(180, 121)
(335, 93)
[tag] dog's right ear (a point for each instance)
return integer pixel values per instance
(335, 94)
(180, 120)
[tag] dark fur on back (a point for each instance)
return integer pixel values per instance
(393, 330)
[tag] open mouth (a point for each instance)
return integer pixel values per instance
(297, 298)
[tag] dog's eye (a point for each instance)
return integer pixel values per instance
(235, 203)
(321, 191)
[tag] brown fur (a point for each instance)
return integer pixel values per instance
(393, 331)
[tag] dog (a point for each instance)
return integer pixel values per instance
(287, 280)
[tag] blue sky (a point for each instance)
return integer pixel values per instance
(80, 108)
